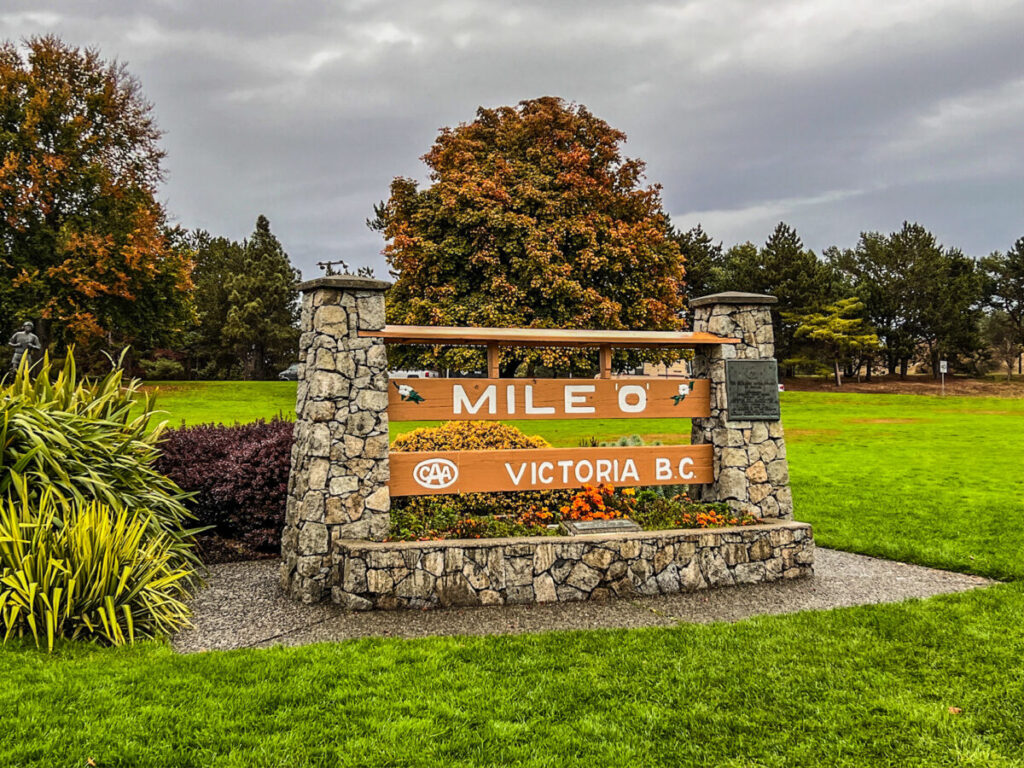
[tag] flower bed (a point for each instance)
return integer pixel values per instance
(435, 518)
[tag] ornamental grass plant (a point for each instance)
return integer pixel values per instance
(72, 570)
(85, 440)
(93, 539)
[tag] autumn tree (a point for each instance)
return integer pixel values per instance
(532, 217)
(84, 249)
(261, 323)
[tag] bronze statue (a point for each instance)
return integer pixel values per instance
(23, 341)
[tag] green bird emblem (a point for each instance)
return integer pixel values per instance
(684, 390)
(408, 393)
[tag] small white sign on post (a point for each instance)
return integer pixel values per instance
(943, 366)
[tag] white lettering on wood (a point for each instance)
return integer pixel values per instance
(662, 469)
(461, 400)
(575, 394)
(530, 408)
(636, 391)
(516, 478)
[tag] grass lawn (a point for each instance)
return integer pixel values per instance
(223, 402)
(863, 686)
(930, 480)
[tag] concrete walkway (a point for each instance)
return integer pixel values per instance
(243, 608)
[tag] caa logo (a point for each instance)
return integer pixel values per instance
(435, 473)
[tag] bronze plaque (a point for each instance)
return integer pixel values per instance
(752, 390)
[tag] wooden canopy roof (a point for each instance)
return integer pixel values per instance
(543, 337)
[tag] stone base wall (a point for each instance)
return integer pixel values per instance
(428, 574)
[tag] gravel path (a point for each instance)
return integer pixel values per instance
(243, 608)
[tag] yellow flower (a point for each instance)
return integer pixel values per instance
(629, 491)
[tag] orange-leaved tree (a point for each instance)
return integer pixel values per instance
(84, 246)
(532, 217)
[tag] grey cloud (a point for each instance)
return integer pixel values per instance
(834, 116)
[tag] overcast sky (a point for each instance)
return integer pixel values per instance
(836, 116)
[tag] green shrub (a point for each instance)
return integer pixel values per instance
(87, 440)
(162, 369)
(86, 571)
(467, 436)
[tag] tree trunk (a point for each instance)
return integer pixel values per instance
(904, 362)
(44, 335)
(839, 380)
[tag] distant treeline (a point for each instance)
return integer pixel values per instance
(892, 301)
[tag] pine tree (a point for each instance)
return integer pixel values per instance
(785, 269)
(262, 319)
(840, 331)
(705, 263)
(216, 260)
(1005, 277)
(920, 297)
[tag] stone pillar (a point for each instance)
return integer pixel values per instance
(337, 489)
(751, 471)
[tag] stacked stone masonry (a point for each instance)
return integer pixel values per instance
(338, 483)
(338, 510)
(751, 470)
(565, 568)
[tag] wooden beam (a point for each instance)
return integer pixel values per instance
(543, 337)
(606, 361)
(493, 357)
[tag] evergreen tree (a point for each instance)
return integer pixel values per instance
(1005, 288)
(785, 269)
(262, 318)
(839, 331)
(949, 295)
(217, 260)
(704, 261)
(880, 276)
(923, 300)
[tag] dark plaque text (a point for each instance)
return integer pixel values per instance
(752, 390)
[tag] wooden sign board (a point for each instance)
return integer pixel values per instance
(535, 469)
(491, 399)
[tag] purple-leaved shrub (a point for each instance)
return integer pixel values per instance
(239, 476)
